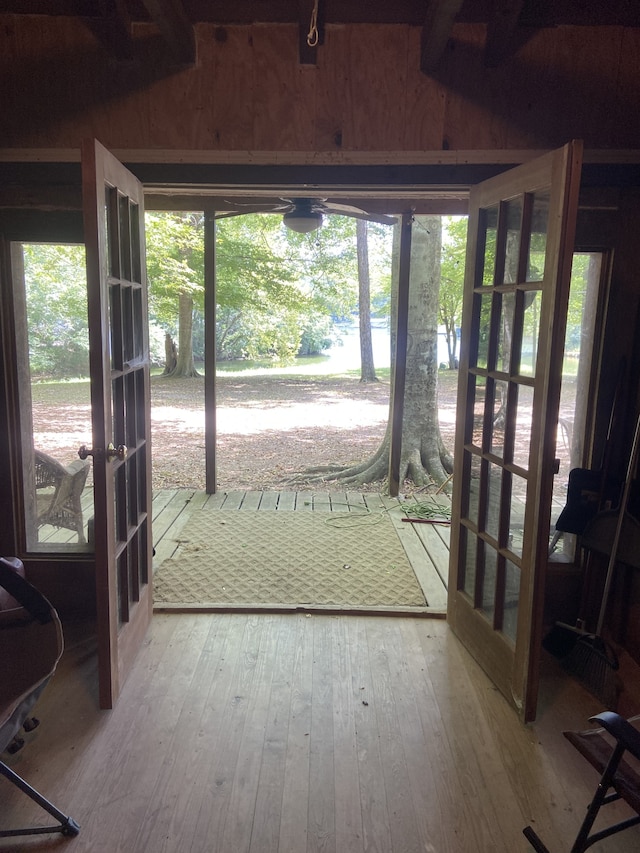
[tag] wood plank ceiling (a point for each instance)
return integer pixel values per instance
(509, 23)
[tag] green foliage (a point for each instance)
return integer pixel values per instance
(56, 294)
(454, 247)
(273, 285)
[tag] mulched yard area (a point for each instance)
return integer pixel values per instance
(270, 426)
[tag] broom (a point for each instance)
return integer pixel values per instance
(574, 518)
(591, 660)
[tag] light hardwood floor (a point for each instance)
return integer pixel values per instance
(250, 733)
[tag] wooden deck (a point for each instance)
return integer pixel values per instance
(426, 545)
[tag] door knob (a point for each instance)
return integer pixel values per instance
(119, 452)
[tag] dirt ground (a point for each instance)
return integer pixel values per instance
(270, 427)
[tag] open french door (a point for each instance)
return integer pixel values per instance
(519, 252)
(119, 364)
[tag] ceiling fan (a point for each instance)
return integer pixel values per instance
(305, 214)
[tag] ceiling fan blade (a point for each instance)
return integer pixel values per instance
(235, 209)
(347, 210)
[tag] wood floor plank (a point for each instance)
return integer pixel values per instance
(346, 694)
(295, 795)
(322, 502)
(181, 785)
(287, 500)
(251, 501)
(238, 830)
(402, 819)
(225, 767)
(194, 803)
(321, 836)
(304, 501)
(268, 501)
(265, 833)
(375, 815)
(251, 733)
(233, 501)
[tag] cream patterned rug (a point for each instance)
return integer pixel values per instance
(288, 558)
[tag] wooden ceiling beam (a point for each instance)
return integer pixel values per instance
(436, 31)
(113, 28)
(175, 27)
(501, 31)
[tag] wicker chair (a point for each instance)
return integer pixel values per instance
(59, 493)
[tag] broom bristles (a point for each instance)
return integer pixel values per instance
(595, 665)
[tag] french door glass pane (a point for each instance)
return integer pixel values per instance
(484, 330)
(489, 227)
(538, 237)
(470, 552)
(513, 216)
(530, 333)
(524, 418)
(478, 412)
(499, 417)
(494, 494)
(505, 333)
(489, 581)
(516, 514)
(511, 600)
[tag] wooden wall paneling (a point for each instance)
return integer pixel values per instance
(175, 107)
(283, 91)
(226, 67)
(564, 87)
(477, 108)
(332, 97)
(626, 114)
(425, 104)
(376, 61)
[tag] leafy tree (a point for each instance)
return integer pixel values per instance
(56, 293)
(367, 367)
(424, 459)
(454, 248)
(273, 286)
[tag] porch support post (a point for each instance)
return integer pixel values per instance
(210, 352)
(399, 366)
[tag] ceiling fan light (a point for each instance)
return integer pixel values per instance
(302, 221)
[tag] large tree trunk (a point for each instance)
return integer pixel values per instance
(185, 366)
(367, 368)
(424, 459)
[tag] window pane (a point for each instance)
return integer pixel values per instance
(505, 334)
(490, 224)
(469, 568)
(530, 333)
(494, 493)
(53, 350)
(538, 237)
(513, 213)
(524, 417)
(471, 497)
(489, 581)
(511, 600)
(516, 520)
(499, 417)
(478, 413)
(484, 331)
